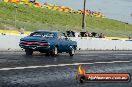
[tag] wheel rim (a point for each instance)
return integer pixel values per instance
(73, 51)
(56, 51)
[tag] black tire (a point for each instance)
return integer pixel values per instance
(54, 51)
(72, 51)
(29, 52)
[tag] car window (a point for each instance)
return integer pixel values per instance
(36, 34)
(42, 34)
(50, 35)
(62, 35)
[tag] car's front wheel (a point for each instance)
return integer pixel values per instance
(72, 51)
(54, 51)
(29, 52)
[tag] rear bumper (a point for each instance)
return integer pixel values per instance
(35, 47)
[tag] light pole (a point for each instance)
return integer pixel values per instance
(126, 28)
(15, 6)
(84, 17)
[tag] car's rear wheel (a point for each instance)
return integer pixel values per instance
(72, 51)
(29, 52)
(54, 51)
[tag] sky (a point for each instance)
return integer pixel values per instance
(114, 9)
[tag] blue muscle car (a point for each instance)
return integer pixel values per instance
(48, 42)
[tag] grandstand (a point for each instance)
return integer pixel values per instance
(56, 7)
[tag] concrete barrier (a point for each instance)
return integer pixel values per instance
(88, 43)
(11, 43)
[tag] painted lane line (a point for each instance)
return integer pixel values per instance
(123, 54)
(113, 62)
(103, 62)
(123, 61)
(59, 65)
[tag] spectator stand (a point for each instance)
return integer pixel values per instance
(56, 7)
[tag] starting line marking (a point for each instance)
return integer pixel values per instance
(59, 65)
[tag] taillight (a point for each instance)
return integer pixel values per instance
(29, 43)
(34, 43)
(44, 44)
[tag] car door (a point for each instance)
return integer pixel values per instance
(63, 43)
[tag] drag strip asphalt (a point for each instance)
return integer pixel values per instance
(18, 70)
(74, 64)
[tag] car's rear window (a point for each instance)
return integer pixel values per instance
(42, 34)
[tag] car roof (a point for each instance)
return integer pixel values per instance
(47, 31)
(56, 33)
